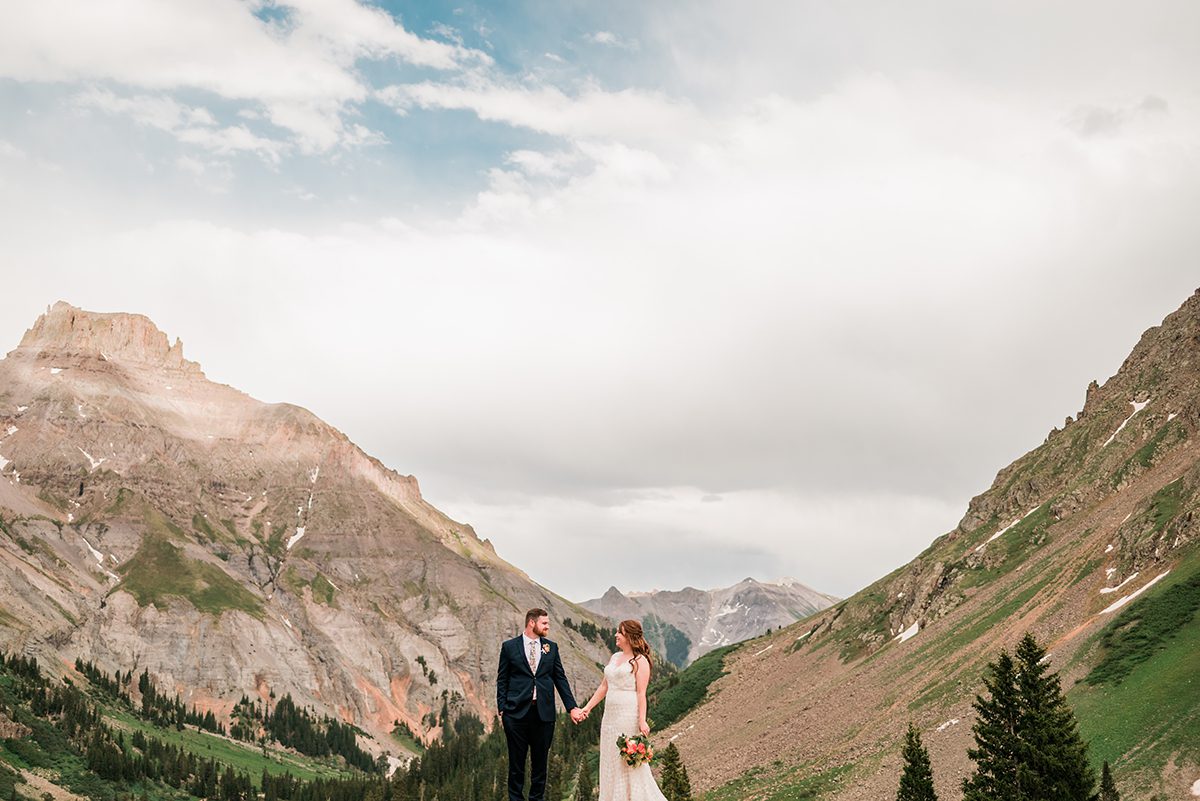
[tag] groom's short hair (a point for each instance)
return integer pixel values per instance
(534, 614)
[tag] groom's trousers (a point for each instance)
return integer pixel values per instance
(528, 736)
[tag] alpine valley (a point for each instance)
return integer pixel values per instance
(174, 533)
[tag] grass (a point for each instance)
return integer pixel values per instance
(1144, 456)
(1152, 716)
(1145, 628)
(323, 590)
(777, 783)
(687, 689)
(1148, 717)
(1166, 504)
(406, 741)
(159, 571)
(243, 757)
(201, 525)
(1088, 568)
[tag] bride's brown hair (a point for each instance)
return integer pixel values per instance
(637, 643)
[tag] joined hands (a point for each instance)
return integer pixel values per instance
(578, 715)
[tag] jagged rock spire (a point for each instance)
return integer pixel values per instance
(65, 330)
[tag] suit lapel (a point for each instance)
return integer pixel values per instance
(544, 659)
(522, 657)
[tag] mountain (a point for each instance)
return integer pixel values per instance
(153, 519)
(1089, 542)
(683, 625)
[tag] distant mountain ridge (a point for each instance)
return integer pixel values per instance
(683, 625)
(153, 519)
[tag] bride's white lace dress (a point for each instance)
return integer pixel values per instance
(618, 781)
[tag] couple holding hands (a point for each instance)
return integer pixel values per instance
(529, 673)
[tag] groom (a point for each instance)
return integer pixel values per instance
(530, 670)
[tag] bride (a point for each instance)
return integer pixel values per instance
(625, 678)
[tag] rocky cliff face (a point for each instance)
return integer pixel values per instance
(150, 518)
(685, 624)
(1103, 512)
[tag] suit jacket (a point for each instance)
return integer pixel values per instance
(515, 681)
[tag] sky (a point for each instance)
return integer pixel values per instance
(651, 294)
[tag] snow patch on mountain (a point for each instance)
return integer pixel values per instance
(1118, 604)
(1107, 590)
(292, 540)
(1137, 407)
(909, 632)
(996, 536)
(91, 461)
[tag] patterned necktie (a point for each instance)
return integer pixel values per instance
(533, 663)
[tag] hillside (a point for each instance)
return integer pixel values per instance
(153, 519)
(1089, 541)
(683, 625)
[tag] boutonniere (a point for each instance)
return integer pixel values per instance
(545, 648)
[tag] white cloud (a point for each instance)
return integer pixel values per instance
(190, 125)
(213, 175)
(301, 72)
(10, 151)
(610, 39)
(630, 115)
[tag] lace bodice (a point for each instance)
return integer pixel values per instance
(619, 674)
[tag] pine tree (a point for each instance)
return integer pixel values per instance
(583, 785)
(668, 780)
(1053, 756)
(1108, 787)
(1027, 741)
(916, 782)
(555, 771)
(674, 783)
(995, 729)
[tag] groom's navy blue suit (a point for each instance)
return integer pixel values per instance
(529, 725)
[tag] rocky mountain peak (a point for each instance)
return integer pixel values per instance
(128, 339)
(683, 625)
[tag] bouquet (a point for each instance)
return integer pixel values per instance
(635, 750)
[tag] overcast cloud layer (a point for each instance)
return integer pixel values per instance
(650, 294)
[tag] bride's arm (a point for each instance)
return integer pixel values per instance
(643, 679)
(597, 696)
